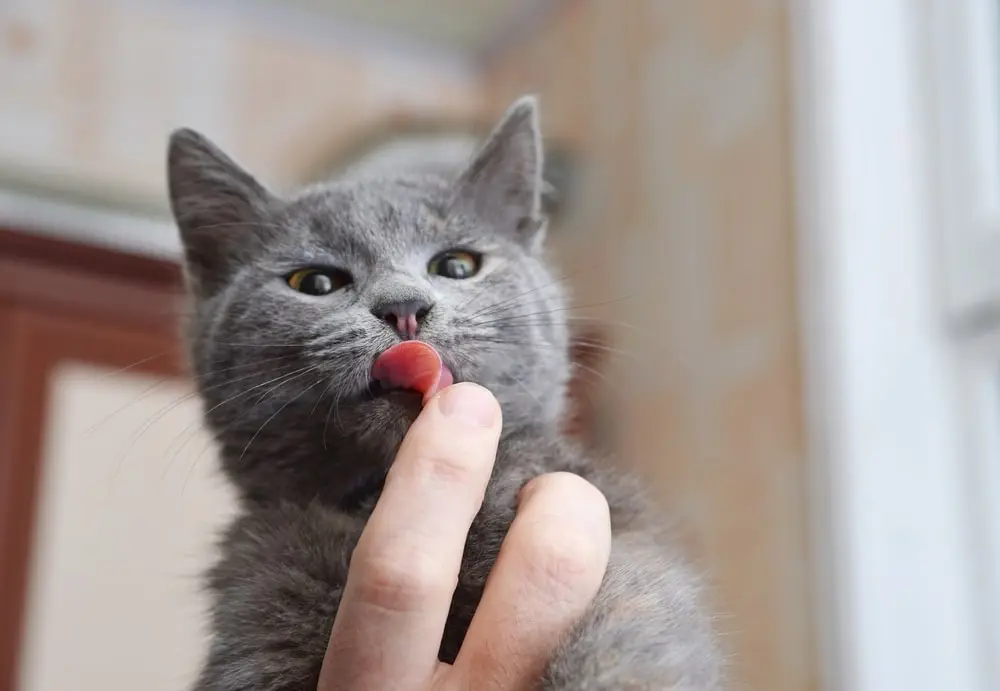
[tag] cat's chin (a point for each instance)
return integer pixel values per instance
(389, 412)
(375, 426)
(403, 400)
(377, 390)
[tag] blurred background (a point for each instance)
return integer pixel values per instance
(771, 328)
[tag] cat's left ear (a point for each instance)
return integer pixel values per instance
(220, 209)
(503, 184)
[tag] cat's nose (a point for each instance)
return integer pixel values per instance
(404, 316)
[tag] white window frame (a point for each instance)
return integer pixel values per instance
(892, 371)
(960, 54)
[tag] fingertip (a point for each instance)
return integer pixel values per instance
(568, 489)
(469, 404)
(570, 518)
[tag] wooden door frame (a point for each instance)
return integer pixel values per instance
(61, 300)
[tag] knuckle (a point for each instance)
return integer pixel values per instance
(441, 467)
(403, 581)
(565, 543)
(562, 559)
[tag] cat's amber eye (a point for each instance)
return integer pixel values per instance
(318, 281)
(456, 264)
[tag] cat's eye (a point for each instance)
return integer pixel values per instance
(457, 264)
(318, 281)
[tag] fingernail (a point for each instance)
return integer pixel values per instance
(470, 404)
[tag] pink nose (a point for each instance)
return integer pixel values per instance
(404, 317)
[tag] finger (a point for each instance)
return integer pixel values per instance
(548, 571)
(405, 567)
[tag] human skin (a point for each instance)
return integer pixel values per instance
(404, 570)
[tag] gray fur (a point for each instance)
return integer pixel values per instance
(284, 377)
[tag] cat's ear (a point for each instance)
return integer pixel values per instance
(220, 209)
(503, 184)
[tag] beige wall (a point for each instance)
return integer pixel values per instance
(89, 90)
(130, 505)
(682, 109)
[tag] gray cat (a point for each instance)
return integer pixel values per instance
(290, 298)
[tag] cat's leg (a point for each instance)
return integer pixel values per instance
(646, 629)
(276, 591)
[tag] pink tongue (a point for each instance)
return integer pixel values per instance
(413, 365)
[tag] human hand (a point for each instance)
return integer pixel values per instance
(405, 567)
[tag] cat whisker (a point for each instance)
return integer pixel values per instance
(164, 411)
(137, 363)
(514, 299)
(501, 304)
(232, 425)
(601, 377)
(557, 310)
(187, 435)
(578, 324)
(164, 380)
(478, 294)
(326, 392)
(329, 340)
(335, 411)
(593, 347)
(195, 462)
(504, 306)
(505, 303)
(517, 381)
(190, 426)
(217, 385)
(276, 413)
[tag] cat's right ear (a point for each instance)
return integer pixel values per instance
(220, 209)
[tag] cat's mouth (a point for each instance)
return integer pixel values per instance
(377, 389)
(413, 366)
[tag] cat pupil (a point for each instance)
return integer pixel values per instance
(317, 284)
(457, 267)
(455, 264)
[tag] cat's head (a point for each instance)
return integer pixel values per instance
(295, 297)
